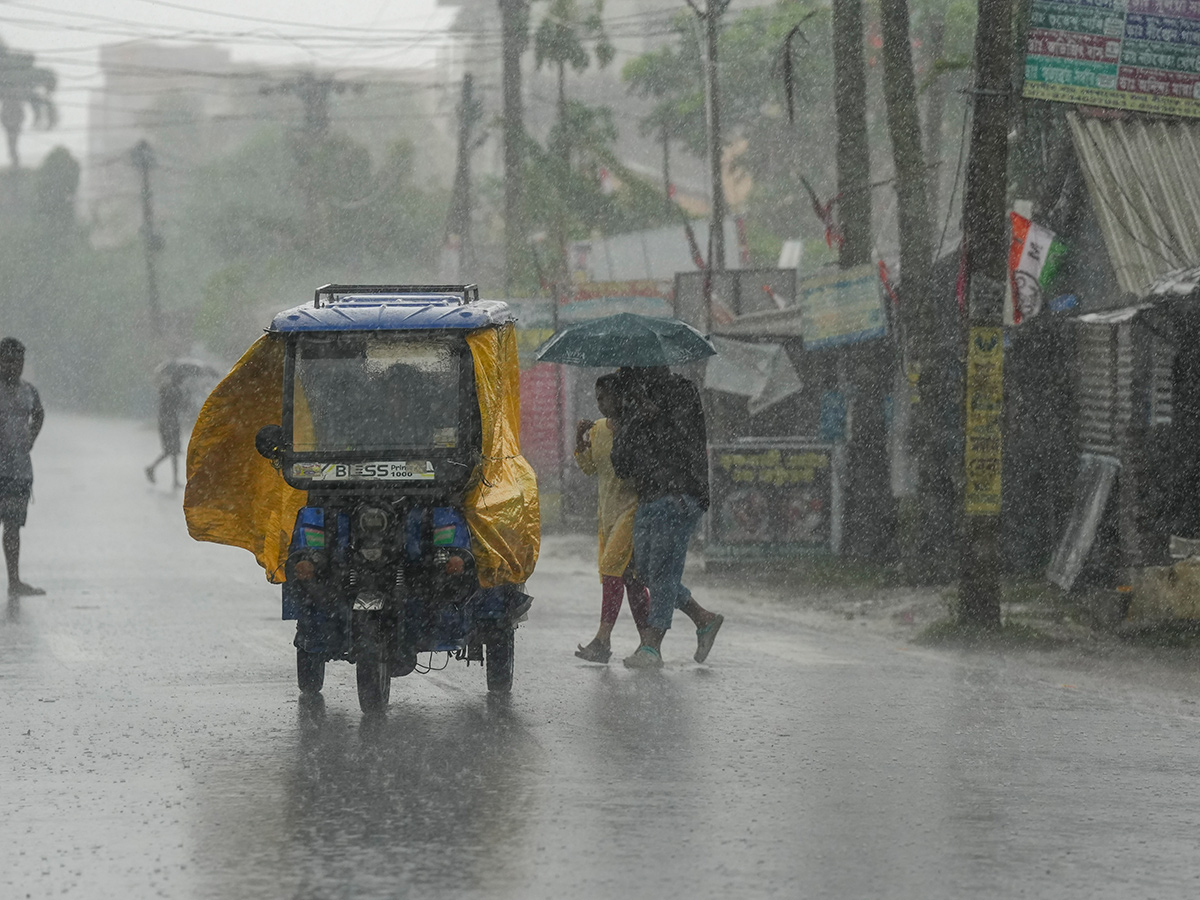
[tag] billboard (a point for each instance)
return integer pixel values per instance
(771, 497)
(1141, 55)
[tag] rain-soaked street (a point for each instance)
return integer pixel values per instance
(154, 745)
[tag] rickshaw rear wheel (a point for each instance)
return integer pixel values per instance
(499, 661)
(310, 672)
(372, 671)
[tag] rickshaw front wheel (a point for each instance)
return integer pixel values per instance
(372, 670)
(310, 672)
(499, 661)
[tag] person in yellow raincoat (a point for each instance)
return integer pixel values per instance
(618, 503)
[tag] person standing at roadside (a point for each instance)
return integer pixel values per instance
(170, 409)
(21, 418)
(617, 504)
(661, 444)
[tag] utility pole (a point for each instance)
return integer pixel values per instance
(458, 223)
(925, 341)
(313, 92)
(710, 16)
(853, 152)
(514, 30)
(143, 160)
(986, 250)
(863, 456)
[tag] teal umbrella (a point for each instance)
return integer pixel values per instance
(627, 339)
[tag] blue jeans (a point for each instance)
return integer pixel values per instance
(661, 531)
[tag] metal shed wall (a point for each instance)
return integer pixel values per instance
(1143, 176)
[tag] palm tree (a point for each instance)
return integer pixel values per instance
(23, 84)
(559, 42)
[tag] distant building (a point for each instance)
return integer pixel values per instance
(193, 104)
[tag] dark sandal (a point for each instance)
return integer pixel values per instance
(594, 652)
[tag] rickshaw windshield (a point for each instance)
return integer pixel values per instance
(359, 393)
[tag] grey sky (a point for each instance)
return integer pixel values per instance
(66, 36)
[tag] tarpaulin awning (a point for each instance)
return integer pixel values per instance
(761, 372)
(765, 323)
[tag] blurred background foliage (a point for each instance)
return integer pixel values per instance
(257, 229)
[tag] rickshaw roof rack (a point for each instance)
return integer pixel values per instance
(376, 307)
(396, 293)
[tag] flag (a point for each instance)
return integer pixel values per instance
(886, 278)
(824, 212)
(1033, 260)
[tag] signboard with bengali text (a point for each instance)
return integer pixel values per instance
(1141, 55)
(842, 307)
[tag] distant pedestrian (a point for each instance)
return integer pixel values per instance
(617, 503)
(21, 418)
(661, 445)
(171, 399)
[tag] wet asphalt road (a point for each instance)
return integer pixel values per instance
(154, 745)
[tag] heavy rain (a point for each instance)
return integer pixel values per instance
(600, 448)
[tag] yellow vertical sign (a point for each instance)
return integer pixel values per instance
(985, 407)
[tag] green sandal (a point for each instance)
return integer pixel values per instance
(644, 658)
(705, 637)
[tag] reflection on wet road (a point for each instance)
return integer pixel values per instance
(154, 745)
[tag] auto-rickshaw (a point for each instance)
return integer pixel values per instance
(366, 449)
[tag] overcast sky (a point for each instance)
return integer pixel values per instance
(66, 35)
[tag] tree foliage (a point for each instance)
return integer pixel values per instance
(777, 152)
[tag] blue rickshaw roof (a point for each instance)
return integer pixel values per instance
(393, 312)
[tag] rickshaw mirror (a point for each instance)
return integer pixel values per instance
(269, 442)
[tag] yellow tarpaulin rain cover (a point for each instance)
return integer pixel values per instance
(502, 503)
(236, 497)
(233, 495)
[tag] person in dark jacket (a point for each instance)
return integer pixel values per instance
(660, 443)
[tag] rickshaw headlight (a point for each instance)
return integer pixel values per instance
(372, 521)
(306, 565)
(370, 530)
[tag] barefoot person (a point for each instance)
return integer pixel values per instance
(618, 500)
(21, 418)
(661, 445)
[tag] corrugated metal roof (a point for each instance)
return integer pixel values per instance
(1144, 179)
(1180, 283)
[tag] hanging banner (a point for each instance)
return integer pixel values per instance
(985, 407)
(592, 299)
(1141, 55)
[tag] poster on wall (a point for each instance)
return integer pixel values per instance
(776, 498)
(1141, 55)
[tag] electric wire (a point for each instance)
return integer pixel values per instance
(958, 168)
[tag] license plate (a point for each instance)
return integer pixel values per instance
(406, 470)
